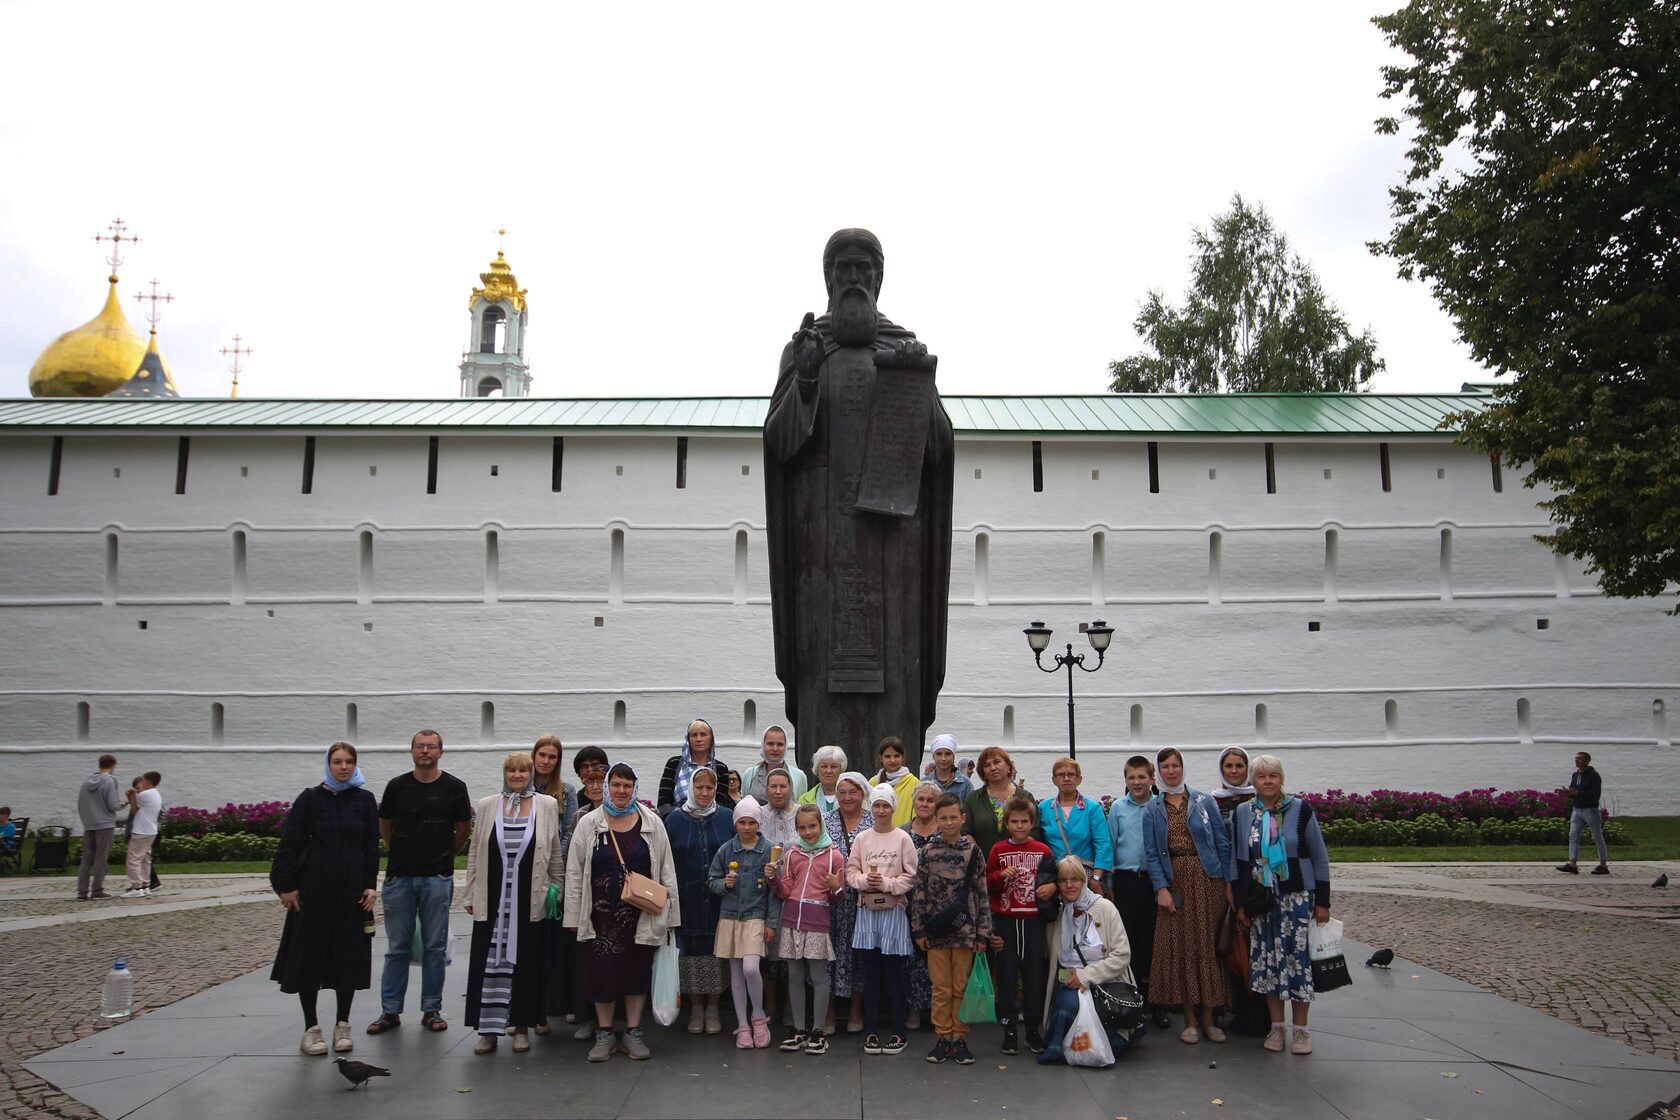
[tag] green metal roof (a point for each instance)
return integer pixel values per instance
(1230, 414)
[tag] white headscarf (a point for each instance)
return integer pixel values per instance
(1226, 789)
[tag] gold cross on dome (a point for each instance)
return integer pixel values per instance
(238, 352)
(153, 315)
(118, 235)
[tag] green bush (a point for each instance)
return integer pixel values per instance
(217, 847)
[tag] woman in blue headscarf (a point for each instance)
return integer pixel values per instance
(325, 872)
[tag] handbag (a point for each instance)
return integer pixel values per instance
(1258, 902)
(1232, 944)
(639, 891)
(1324, 946)
(1119, 1004)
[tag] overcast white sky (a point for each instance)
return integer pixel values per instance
(327, 181)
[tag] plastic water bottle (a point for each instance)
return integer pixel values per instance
(118, 999)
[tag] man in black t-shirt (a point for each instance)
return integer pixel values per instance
(1584, 790)
(424, 819)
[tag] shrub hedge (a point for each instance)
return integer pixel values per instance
(1433, 830)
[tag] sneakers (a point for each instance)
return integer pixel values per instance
(313, 1044)
(605, 1043)
(1601, 869)
(871, 1044)
(793, 1043)
(895, 1045)
(761, 1033)
(635, 1046)
(1035, 1041)
(816, 1043)
(1302, 1043)
(1569, 869)
(98, 894)
(1274, 1038)
(743, 1038)
(136, 892)
(1011, 1041)
(960, 1053)
(584, 1033)
(341, 1039)
(939, 1052)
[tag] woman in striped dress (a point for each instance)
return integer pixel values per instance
(514, 857)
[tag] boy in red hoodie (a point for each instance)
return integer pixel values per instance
(1020, 873)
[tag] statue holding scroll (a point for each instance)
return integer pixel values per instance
(858, 458)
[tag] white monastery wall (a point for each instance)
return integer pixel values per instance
(1412, 637)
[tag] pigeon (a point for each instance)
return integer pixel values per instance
(1662, 881)
(1382, 958)
(358, 1072)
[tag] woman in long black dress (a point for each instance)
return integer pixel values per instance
(514, 857)
(326, 872)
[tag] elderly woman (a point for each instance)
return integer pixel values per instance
(1187, 852)
(1075, 825)
(325, 872)
(1280, 849)
(590, 765)
(983, 809)
(696, 831)
(772, 755)
(843, 824)
(514, 856)
(546, 780)
(830, 763)
(699, 749)
(1087, 945)
(922, 828)
(616, 941)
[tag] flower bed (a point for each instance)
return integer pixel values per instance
(1473, 805)
(265, 818)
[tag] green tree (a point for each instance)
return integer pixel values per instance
(1255, 319)
(1542, 204)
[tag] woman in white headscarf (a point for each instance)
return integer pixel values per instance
(773, 754)
(514, 857)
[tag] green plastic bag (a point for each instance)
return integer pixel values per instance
(551, 904)
(979, 1003)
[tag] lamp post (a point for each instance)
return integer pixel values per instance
(1098, 632)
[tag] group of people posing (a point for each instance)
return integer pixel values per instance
(809, 895)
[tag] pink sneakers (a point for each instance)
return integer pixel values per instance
(743, 1038)
(761, 1032)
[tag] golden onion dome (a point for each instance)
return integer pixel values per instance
(93, 359)
(499, 284)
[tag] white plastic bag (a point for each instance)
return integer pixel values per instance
(665, 983)
(1086, 1042)
(1324, 941)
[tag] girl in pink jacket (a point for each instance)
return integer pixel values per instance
(812, 879)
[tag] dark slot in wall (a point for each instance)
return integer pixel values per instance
(1387, 475)
(559, 463)
(682, 462)
(182, 449)
(309, 464)
(1154, 467)
(54, 467)
(1038, 466)
(1271, 470)
(431, 465)
(1498, 475)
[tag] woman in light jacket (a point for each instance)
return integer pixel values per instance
(616, 941)
(1280, 848)
(1088, 946)
(1188, 853)
(514, 856)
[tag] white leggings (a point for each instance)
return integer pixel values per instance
(745, 978)
(818, 973)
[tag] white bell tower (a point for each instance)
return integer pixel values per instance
(494, 362)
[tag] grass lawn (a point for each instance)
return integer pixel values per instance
(164, 870)
(1653, 838)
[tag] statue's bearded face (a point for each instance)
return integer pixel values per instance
(853, 280)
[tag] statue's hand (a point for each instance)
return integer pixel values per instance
(807, 354)
(909, 353)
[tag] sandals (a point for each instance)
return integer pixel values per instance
(385, 1022)
(1189, 1036)
(434, 1021)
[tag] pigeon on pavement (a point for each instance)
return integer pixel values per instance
(1382, 958)
(1662, 881)
(358, 1072)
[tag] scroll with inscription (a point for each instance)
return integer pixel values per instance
(900, 406)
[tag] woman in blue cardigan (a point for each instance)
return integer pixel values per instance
(1280, 848)
(1188, 855)
(1075, 825)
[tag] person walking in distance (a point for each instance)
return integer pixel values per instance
(97, 803)
(1584, 790)
(424, 819)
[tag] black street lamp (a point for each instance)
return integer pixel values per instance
(1100, 634)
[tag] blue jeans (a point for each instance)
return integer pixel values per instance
(405, 897)
(1594, 820)
(1064, 1007)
